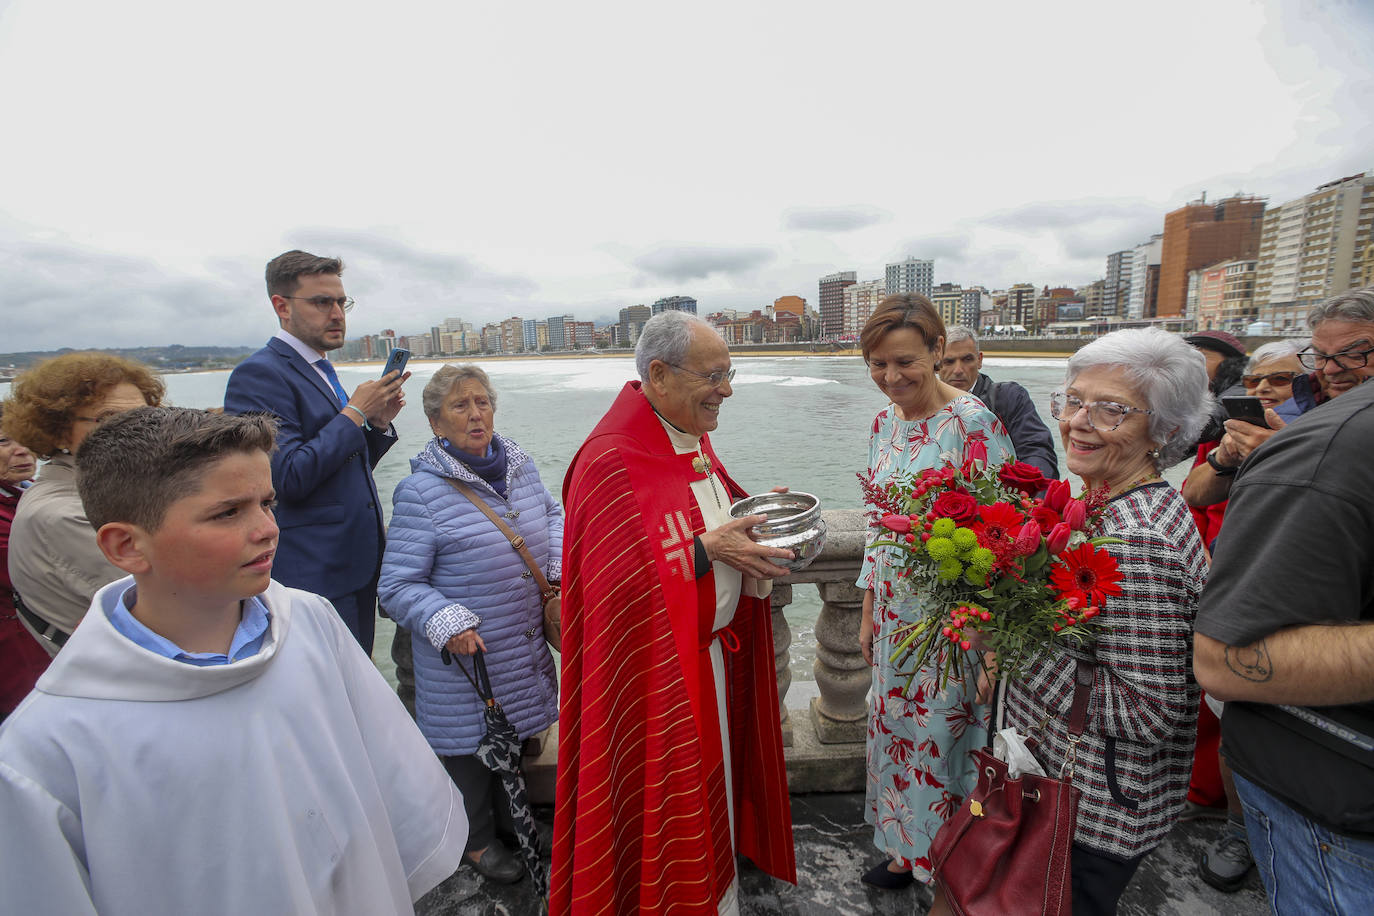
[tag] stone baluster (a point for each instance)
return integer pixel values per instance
(840, 713)
(782, 639)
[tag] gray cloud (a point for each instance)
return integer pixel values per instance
(681, 263)
(833, 219)
(943, 246)
(61, 294)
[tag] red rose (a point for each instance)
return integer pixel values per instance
(957, 505)
(900, 524)
(1045, 517)
(1017, 475)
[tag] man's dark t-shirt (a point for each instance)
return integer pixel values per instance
(1297, 549)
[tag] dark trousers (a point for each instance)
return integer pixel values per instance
(484, 800)
(1099, 880)
(358, 610)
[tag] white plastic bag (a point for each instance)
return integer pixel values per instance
(1010, 748)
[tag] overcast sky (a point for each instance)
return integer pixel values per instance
(485, 160)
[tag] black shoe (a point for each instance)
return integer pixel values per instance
(1226, 863)
(498, 864)
(881, 876)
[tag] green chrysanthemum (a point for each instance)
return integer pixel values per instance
(942, 528)
(964, 540)
(983, 558)
(940, 549)
(950, 570)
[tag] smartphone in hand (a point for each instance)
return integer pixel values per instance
(1244, 408)
(396, 362)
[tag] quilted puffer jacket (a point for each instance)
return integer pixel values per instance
(447, 568)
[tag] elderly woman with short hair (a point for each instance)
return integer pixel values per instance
(52, 408)
(1132, 405)
(452, 579)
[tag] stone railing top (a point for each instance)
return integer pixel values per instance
(845, 533)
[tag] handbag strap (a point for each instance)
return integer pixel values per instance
(517, 541)
(1084, 674)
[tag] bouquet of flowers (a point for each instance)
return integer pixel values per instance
(997, 568)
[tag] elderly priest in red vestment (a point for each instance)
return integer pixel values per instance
(670, 755)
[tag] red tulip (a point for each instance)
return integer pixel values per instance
(1076, 514)
(1027, 540)
(1059, 538)
(1057, 495)
(896, 523)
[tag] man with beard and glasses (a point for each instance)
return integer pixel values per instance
(328, 440)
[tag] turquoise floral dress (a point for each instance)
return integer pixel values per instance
(918, 746)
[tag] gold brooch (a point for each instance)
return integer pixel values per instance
(701, 464)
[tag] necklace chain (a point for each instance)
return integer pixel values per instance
(702, 465)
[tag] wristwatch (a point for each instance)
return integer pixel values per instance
(1221, 469)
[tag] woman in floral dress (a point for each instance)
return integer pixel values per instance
(918, 745)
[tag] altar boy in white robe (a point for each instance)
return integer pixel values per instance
(210, 741)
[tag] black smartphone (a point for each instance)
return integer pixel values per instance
(396, 362)
(1248, 409)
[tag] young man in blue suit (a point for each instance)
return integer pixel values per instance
(328, 442)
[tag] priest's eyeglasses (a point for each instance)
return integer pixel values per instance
(1346, 359)
(326, 303)
(1103, 416)
(717, 378)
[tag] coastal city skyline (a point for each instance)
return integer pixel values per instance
(558, 166)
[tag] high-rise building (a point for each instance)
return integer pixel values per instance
(976, 301)
(1092, 296)
(948, 299)
(529, 333)
(911, 276)
(1198, 234)
(583, 335)
(676, 304)
(860, 302)
(512, 335)
(1140, 300)
(831, 301)
(561, 335)
(793, 305)
(1020, 308)
(1116, 286)
(1312, 248)
(632, 319)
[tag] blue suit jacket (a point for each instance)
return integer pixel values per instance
(327, 505)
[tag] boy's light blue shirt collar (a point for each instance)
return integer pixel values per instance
(248, 639)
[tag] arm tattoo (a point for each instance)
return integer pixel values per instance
(1250, 662)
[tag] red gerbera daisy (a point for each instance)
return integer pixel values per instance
(1087, 572)
(997, 523)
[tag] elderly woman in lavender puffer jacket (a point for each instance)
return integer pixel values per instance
(452, 579)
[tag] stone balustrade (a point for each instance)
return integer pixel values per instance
(825, 743)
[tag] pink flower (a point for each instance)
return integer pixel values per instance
(1076, 514)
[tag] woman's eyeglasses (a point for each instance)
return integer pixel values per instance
(1277, 379)
(1103, 416)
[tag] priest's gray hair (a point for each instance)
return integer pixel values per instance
(1170, 375)
(446, 379)
(666, 337)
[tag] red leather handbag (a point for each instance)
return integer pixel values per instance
(1006, 851)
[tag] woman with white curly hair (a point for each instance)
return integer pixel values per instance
(1132, 405)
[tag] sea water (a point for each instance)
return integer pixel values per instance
(801, 422)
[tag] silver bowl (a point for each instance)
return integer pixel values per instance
(794, 523)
